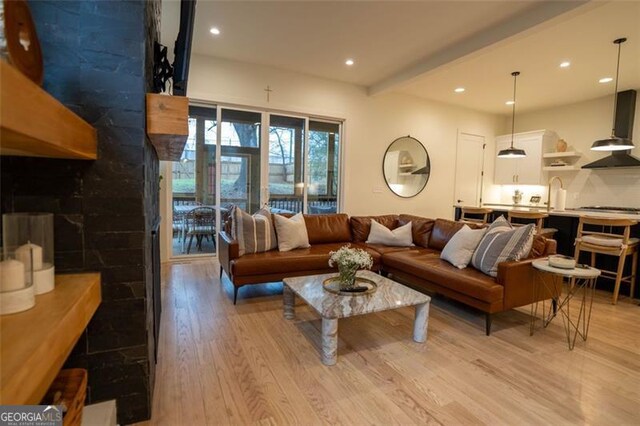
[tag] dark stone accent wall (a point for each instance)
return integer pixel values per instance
(98, 60)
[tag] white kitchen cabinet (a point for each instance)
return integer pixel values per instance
(527, 170)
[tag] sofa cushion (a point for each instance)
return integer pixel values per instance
(461, 246)
(399, 237)
(361, 225)
(254, 233)
(312, 258)
(328, 228)
(421, 228)
(382, 249)
(430, 267)
(292, 232)
(443, 230)
(499, 246)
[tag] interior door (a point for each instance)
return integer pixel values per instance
(469, 170)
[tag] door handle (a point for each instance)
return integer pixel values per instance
(460, 201)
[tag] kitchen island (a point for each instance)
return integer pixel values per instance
(566, 223)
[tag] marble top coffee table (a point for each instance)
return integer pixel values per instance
(331, 307)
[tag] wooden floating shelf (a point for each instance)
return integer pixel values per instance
(36, 343)
(567, 154)
(35, 124)
(560, 168)
(168, 124)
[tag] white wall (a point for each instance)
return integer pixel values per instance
(580, 124)
(371, 124)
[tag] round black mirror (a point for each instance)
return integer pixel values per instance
(406, 167)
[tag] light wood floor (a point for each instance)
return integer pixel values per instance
(245, 364)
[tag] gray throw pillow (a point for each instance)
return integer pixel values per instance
(500, 244)
(255, 234)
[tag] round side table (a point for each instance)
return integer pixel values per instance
(581, 285)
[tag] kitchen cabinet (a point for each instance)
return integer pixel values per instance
(527, 170)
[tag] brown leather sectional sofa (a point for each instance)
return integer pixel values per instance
(418, 266)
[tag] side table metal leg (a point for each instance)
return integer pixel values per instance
(421, 322)
(289, 301)
(329, 341)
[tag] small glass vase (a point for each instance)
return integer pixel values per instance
(347, 275)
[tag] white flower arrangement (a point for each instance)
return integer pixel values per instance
(350, 258)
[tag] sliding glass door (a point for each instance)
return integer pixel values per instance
(225, 163)
(286, 163)
(240, 159)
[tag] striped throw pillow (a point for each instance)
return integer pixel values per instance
(254, 233)
(502, 243)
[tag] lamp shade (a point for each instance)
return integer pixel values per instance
(511, 152)
(612, 144)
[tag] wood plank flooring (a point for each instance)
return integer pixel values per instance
(245, 364)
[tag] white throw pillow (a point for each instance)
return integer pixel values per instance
(292, 233)
(461, 246)
(399, 237)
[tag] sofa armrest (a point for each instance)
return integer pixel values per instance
(228, 250)
(518, 279)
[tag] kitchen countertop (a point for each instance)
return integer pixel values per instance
(567, 212)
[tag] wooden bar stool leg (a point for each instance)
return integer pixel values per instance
(634, 274)
(616, 289)
(593, 258)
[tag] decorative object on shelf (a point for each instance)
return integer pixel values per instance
(513, 152)
(162, 69)
(614, 143)
(558, 163)
(349, 261)
(29, 236)
(168, 124)
(17, 292)
(535, 199)
(22, 45)
(406, 167)
(561, 195)
(561, 145)
(562, 262)
(517, 196)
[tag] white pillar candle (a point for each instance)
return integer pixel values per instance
(11, 275)
(24, 252)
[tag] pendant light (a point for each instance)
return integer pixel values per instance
(512, 152)
(614, 143)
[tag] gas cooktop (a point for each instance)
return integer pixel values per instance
(610, 209)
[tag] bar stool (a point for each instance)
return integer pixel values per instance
(475, 212)
(538, 217)
(612, 244)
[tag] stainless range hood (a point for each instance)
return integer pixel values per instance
(625, 113)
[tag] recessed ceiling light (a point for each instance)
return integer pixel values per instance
(509, 103)
(349, 62)
(565, 64)
(459, 89)
(214, 31)
(605, 80)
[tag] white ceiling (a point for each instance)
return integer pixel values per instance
(585, 39)
(429, 48)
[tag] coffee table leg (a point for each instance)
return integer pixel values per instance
(289, 299)
(329, 341)
(421, 323)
